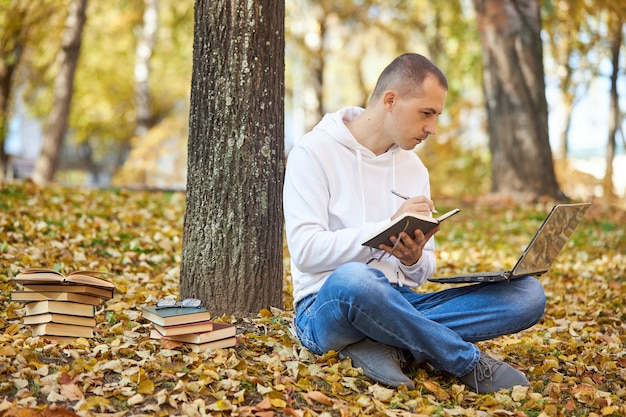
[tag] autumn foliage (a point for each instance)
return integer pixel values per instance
(575, 357)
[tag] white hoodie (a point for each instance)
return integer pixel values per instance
(336, 193)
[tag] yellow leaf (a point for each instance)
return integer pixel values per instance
(7, 351)
(146, 387)
(220, 405)
(12, 329)
(609, 410)
(95, 403)
(278, 402)
(437, 391)
(519, 393)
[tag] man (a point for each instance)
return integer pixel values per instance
(347, 297)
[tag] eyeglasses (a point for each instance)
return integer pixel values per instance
(395, 245)
(172, 303)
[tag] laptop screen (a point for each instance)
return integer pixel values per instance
(550, 239)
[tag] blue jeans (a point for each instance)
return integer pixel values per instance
(357, 301)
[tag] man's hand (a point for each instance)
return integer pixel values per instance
(408, 250)
(420, 204)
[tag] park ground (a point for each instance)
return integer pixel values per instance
(575, 357)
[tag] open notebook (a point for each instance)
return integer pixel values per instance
(540, 253)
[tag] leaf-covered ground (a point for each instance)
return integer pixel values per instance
(575, 357)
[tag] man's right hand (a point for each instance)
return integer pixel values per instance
(419, 204)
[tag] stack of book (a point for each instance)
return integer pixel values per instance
(190, 327)
(61, 307)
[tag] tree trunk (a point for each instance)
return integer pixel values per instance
(517, 110)
(56, 123)
(145, 45)
(12, 42)
(563, 144)
(6, 74)
(614, 111)
(232, 256)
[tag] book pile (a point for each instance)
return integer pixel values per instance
(189, 326)
(61, 307)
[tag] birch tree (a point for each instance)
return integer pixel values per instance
(56, 122)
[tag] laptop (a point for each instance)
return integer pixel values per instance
(542, 251)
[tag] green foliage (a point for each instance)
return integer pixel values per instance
(347, 41)
(455, 170)
(103, 107)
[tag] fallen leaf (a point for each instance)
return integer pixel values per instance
(72, 392)
(439, 393)
(22, 412)
(59, 412)
(319, 397)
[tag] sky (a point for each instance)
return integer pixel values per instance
(590, 118)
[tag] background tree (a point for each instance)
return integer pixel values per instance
(145, 47)
(521, 157)
(615, 22)
(56, 123)
(106, 112)
(23, 28)
(232, 239)
(569, 42)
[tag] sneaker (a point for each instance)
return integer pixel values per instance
(380, 362)
(491, 375)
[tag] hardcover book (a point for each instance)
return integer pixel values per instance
(103, 293)
(58, 329)
(27, 296)
(175, 315)
(51, 276)
(220, 331)
(59, 339)
(60, 318)
(179, 329)
(59, 307)
(216, 344)
(408, 222)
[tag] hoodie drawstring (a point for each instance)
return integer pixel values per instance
(399, 274)
(359, 163)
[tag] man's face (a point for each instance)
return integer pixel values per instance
(412, 120)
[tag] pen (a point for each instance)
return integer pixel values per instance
(394, 192)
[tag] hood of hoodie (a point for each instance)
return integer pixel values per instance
(333, 125)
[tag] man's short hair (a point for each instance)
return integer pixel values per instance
(406, 74)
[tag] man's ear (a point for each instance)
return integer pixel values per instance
(389, 99)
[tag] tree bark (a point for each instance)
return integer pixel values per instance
(232, 256)
(517, 110)
(6, 74)
(614, 111)
(56, 123)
